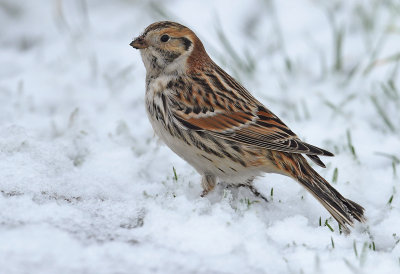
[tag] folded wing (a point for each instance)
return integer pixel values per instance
(225, 115)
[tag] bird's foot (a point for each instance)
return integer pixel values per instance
(253, 190)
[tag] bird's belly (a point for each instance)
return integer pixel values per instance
(205, 162)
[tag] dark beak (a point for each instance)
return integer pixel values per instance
(139, 43)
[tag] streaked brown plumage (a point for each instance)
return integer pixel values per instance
(217, 126)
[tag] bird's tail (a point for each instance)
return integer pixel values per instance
(342, 209)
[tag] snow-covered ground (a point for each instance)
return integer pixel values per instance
(86, 188)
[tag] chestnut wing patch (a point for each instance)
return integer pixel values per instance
(262, 129)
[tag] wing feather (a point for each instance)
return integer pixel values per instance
(226, 117)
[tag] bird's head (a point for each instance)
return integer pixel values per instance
(171, 48)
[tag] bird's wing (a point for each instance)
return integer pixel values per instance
(213, 105)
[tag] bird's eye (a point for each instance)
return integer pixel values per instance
(164, 38)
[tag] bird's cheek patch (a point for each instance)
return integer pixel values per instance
(186, 42)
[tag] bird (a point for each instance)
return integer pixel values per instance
(214, 123)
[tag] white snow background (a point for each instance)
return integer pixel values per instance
(87, 188)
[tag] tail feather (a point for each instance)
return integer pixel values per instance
(342, 209)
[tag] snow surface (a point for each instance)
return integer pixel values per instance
(86, 188)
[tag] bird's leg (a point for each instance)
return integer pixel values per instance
(208, 184)
(249, 185)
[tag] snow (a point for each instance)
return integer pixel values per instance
(85, 187)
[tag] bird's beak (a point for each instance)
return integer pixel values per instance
(139, 43)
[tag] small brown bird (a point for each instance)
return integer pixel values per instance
(211, 121)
